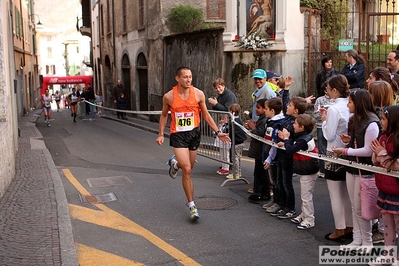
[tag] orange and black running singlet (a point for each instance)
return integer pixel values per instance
(184, 113)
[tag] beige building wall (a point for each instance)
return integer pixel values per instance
(8, 117)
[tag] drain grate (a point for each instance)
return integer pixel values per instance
(98, 198)
(214, 203)
(108, 181)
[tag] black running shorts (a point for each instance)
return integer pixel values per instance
(187, 139)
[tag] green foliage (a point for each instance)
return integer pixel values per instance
(315, 4)
(334, 18)
(185, 19)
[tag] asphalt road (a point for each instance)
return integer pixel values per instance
(148, 223)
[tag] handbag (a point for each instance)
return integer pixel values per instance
(368, 197)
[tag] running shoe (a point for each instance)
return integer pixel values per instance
(304, 225)
(172, 162)
(194, 213)
(297, 220)
(222, 172)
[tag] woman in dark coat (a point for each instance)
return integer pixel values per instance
(327, 72)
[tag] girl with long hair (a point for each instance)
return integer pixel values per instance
(363, 127)
(335, 122)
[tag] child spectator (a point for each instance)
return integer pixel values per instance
(224, 147)
(273, 109)
(386, 154)
(325, 102)
(261, 176)
(121, 104)
(99, 101)
(305, 167)
(239, 138)
(296, 107)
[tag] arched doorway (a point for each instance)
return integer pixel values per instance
(142, 81)
(126, 80)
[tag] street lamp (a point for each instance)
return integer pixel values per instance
(38, 23)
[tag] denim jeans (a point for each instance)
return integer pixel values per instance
(261, 179)
(92, 109)
(276, 186)
(322, 147)
(284, 180)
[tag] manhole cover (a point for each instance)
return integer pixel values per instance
(108, 181)
(214, 203)
(97, 198)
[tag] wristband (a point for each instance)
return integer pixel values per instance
(217, 132)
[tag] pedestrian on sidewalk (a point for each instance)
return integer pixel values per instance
(184, 102)
(90, 97)
(99, 101)
(121, 104)
(117, 90)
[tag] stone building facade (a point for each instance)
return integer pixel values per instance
(8, 107)
(133, 43)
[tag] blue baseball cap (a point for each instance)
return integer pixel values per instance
(271, 75)
(259, 74)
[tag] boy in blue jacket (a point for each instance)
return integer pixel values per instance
(306, 167)
(296, 107)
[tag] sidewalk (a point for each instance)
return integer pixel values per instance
(35, 225)
(34, 216)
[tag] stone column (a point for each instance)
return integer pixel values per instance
(231, 22)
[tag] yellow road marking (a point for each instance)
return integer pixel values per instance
(94, 257)
(109, 218)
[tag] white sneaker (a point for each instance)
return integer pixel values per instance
(172, 170)
(194, 213)
(297, 220)
(304, 225)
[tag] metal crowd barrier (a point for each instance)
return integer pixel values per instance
(208, 150)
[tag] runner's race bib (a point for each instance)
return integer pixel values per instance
(184, 121)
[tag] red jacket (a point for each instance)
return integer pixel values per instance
(385, 183)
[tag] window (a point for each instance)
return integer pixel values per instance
(108, 18)
(216, 10)
(141, 13)
(18, 22)
(50, 69)
(124, 16)
(49, 52)
(102, 21)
